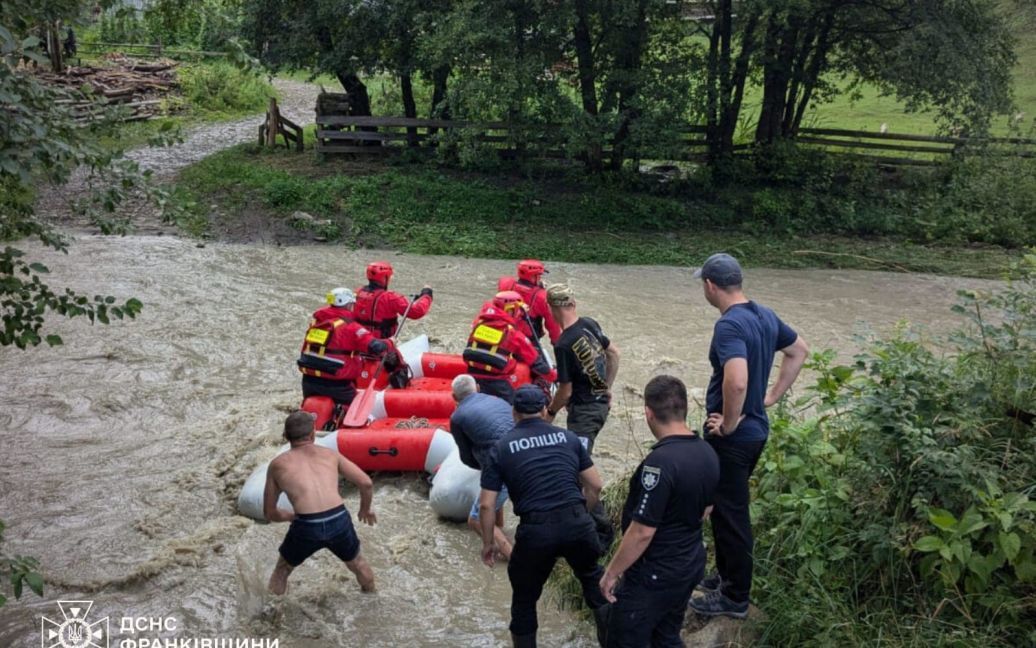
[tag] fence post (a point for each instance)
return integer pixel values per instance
(273, 123)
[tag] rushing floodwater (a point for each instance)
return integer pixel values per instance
(124, 450)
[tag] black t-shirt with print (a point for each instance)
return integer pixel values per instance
(581, 361)
(669, 491)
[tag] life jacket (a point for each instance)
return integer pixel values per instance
(528, 293)
(366, 312)
(490, 348)
(319, 360)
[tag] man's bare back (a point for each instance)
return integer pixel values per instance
(308, 475)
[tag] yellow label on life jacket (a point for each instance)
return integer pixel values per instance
(487, 334)
(317, 336)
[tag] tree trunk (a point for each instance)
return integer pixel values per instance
(816, 67)
(630, 64)
(440, 108)
(57, 62)
(713, 135)
(728, 121)
(406, 86)
(587, 79)
(779, 52)
(360, 101)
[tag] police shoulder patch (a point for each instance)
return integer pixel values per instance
(649, 477)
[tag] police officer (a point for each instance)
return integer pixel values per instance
(551, 481)
(661, 557)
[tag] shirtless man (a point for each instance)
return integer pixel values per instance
(308, 474)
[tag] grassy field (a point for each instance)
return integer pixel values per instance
(426, 209)
(872, 110)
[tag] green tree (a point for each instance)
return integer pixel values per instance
(40, 142)
(951, 56)
(350, 39)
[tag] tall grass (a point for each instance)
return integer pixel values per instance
(224, 89)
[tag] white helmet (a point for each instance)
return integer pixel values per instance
(341, 297)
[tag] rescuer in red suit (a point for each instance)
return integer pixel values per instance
(496, 346)
(331, 356)
(379, 309)
(528, 284)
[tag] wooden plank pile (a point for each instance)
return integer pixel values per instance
(136, 86)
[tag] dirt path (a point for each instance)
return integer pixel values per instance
(296, 100)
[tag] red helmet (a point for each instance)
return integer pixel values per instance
(530, 270)
(379, 272)
(508, 301)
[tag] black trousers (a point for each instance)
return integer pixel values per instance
(585, 420)
(731, 523)
(340, 391)
(501, 388)
(542, 538)
(647, 613)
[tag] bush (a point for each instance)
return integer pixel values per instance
(223, 88)
(904, 504)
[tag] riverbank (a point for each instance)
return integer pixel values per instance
(158, 421)
(249, 194)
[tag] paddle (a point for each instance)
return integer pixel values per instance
(360, 409)
(539, 347)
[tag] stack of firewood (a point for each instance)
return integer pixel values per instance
(137, 86)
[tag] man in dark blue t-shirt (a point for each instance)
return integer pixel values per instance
(551, 481)
(661, 557)
(744, 341)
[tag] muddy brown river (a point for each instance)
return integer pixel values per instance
(124, 449)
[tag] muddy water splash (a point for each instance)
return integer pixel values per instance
(123, 450)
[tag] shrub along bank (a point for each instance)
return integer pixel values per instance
(895, 502)
(793, 210)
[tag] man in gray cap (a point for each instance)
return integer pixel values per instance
(552, 482)
(744, 341)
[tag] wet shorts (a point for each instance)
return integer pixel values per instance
(501, 497)
(310, 532)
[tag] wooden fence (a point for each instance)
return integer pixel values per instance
(145, 50)
(393, 135)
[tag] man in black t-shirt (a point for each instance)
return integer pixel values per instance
(661, 557)
(551, 481)
(587, 362)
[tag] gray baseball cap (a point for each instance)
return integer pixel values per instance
(721, 269)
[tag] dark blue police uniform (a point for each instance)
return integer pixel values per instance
(540, 465)
(669, 491)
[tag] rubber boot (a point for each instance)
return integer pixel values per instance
(524, 641)
(601, 616)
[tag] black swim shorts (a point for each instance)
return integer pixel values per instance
(310, 532)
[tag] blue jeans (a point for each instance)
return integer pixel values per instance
(501, 497)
